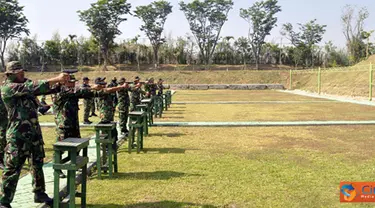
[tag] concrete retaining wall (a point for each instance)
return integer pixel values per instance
(227, 86)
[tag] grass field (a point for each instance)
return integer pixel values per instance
(243, 166)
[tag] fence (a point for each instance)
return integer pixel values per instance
(352, 81)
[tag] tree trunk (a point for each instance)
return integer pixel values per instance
(138, 57)
(156, 57)
(105, 57)
(2, 50)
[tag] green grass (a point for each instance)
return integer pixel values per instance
(239, 167)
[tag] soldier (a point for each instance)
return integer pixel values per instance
(123, 107)
(137, 91)
(106, 106)
(160, 87)
(153, 87)
(114, 96)
(24, 136)
(66, 105)
(3, 130)
(87, 102)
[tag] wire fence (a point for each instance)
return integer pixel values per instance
(357, 81)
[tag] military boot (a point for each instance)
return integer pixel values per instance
(5, 206)
(41, 197)
(87, 122)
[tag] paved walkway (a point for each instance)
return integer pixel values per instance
(24, 198)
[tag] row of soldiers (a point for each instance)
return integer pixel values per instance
(125, 100)
(23, 133)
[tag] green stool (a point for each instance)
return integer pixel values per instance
(149, 103)
(105, 140)
(136, 123)
(158, 106)
(165, 101)
(143, 108)
(72, 164)
(169, 94)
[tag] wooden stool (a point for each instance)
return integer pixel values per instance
(136, 119)
(158, 106)
(143, 108)
(149, 103)
(165, 101)
(169, 98)
(72, 163)
(105, 139)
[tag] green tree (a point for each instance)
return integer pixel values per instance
(103, 20)
(12, 24)
(243, 45)
(261, 19)
(310, 34)
(154, 16)
(206, 19)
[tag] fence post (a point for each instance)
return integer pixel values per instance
(370, 83)
(290, 80)
(319, 81)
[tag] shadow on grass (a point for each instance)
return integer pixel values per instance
(173, 110)
(178, 107)
(157, 175)
(166, 134)
(171, 113)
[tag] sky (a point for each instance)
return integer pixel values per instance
(48, 16)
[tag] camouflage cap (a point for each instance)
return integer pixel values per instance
(14, 67)
(122, 80)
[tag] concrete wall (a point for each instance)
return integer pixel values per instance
(226, 86)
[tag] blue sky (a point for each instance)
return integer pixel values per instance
(49, 16)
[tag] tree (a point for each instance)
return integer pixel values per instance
(308, 36)
(154, 16)
(242, 44)
(12, 24)
(261, 19)
(103, 20)
(206, 20)
(353, 25)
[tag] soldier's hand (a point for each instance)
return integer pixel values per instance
(97, 87)
(63, 77)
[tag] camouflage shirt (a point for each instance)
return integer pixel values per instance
(151, 88)
(136, 94)
(161, 88)
(66, 106)
(123, 99)
(114, 97)
(24, 131)
(3, 112)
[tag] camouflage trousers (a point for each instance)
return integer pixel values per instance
(64, 133)
(123, 117)
(86, 109)
(3, 131)
(133, 105)
(93, 106)
(14, 161)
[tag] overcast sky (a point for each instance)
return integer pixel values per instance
(49, 16)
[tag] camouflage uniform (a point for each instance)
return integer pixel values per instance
(114, 98)
(123, 108)
(106, 111)
(66, 106)
(3, 129)
(24, 136)
(87, 104)
(161, 88)
(135, 97)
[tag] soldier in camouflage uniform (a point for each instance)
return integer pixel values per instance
(3, 129)
(160, 87)
(123, 106)
(66, 106)
(24, 136)
(87, 102)
(114, 96)
(106, 106)
(137, 91)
